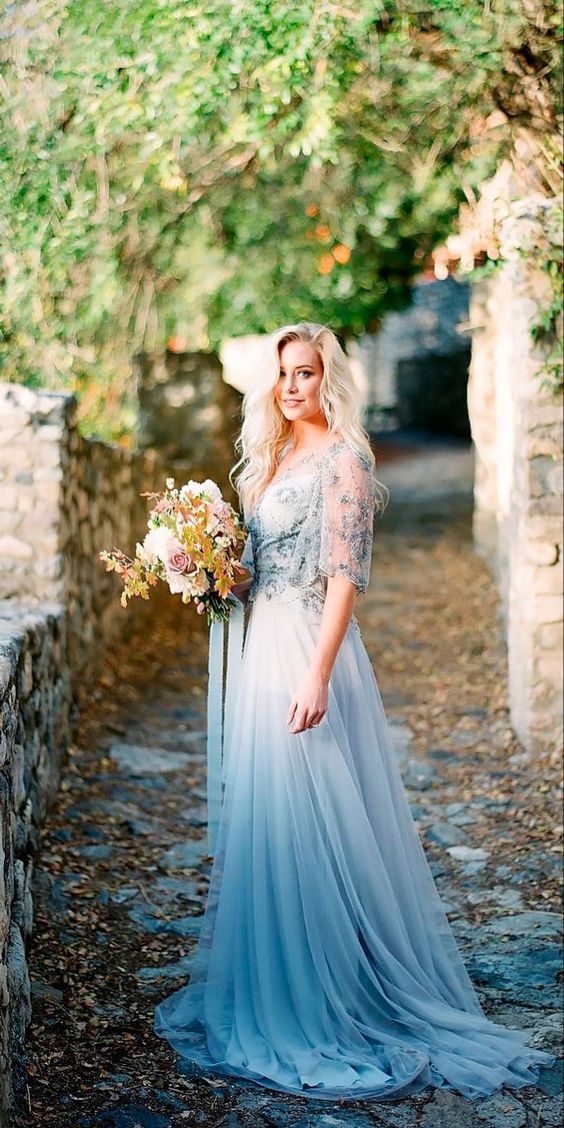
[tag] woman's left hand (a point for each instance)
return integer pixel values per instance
(309, 704)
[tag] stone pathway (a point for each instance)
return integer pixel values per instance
(122, 875)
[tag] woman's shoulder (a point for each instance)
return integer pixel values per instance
(343, 455)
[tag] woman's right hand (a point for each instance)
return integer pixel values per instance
(241, 590)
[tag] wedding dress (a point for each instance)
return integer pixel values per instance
(325, 965)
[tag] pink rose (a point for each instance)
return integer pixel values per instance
(178, 561)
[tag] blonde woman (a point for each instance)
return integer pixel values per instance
(326, 966)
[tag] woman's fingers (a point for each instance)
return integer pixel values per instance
(299, 721)
(291, 711)
(302, 718)
(302, 722)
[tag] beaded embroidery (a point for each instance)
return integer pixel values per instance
(313, 521)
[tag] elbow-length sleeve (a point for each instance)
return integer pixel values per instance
(347, 525)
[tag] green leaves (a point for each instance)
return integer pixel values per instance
(159, 161)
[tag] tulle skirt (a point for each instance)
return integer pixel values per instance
(326, 966)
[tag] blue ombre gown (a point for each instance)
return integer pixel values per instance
(326, 966)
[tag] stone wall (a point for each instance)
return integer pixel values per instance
(188, 411)
(35, 726)
(416, 365)
(63, 498)
(517, 432)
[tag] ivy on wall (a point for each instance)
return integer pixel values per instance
(530, 229)
(546, 254)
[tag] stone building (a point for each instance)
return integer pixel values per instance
(516, 421)
(416, 366)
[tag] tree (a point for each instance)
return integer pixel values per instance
(239, 163)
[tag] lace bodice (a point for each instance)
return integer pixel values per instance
(313, 521)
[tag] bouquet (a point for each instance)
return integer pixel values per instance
(191, 545)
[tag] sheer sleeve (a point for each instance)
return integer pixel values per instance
(348, 500)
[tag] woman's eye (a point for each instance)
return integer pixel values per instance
(299, 372)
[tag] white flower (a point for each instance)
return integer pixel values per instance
(179, 583)
(191, 488)
(158, 544)
(191, 583)
(169, 483)
(211, 490)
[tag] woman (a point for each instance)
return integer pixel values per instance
(326, 966)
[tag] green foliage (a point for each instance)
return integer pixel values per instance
(546, 328)
(540, 244)
(161, 163)
(319, 255)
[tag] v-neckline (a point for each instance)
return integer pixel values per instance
(300, 461)
(280, 473)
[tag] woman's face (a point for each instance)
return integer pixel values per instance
(299, 381)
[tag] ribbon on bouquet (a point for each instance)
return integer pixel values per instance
(221, 708)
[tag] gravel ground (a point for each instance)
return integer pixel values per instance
(122, 872)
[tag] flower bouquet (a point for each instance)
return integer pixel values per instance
(191, 545)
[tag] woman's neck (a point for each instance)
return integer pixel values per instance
(308, 435)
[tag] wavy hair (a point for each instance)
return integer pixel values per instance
(265, 430)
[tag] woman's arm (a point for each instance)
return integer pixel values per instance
(241, 590)
(309, 704)
(346, 525)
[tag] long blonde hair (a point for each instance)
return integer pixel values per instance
(265, 430)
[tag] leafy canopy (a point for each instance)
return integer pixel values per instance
(215, 168)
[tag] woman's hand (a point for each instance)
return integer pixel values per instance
(241, 590)
(309, 704)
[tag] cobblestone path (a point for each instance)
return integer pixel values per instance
(121, 877)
